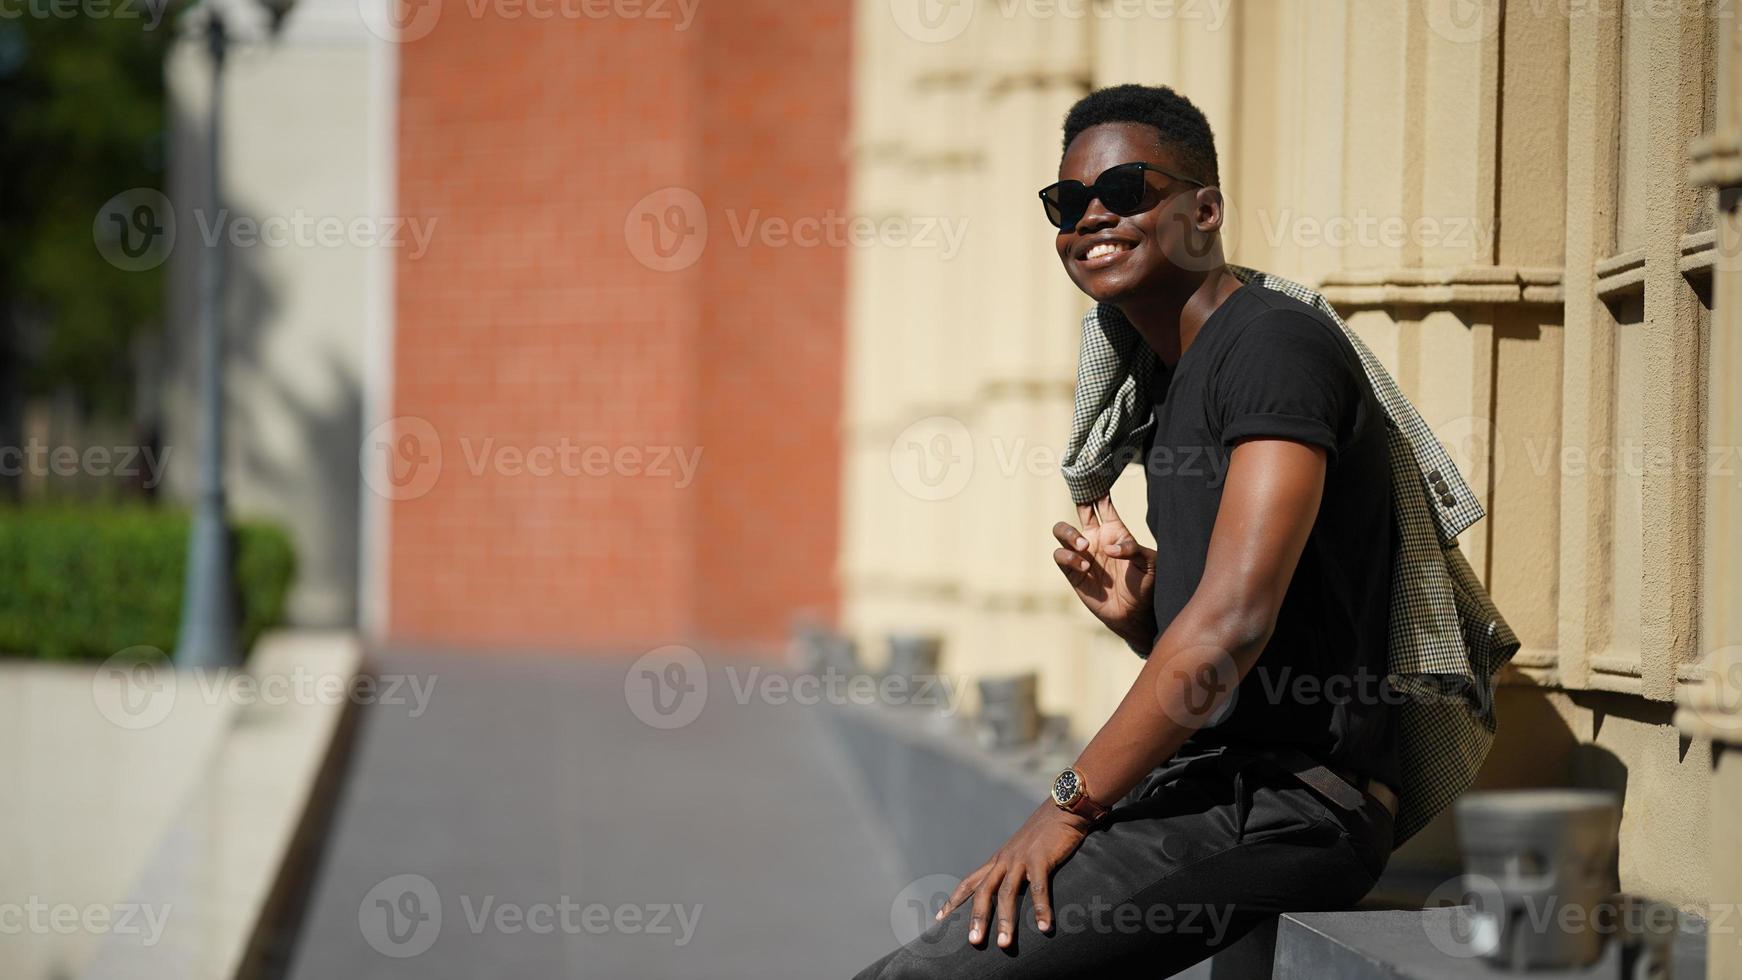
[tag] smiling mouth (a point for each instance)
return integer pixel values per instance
(1105, 253)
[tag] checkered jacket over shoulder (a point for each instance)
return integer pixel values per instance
(1447, 638)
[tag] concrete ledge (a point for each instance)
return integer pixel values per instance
(223, 873)
(1413, 945)
(89, 782)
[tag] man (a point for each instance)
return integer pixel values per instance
(1263, 608)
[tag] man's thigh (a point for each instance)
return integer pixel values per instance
(1171, 879)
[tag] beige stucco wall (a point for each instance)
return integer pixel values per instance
(308, 134)
(1497, 206)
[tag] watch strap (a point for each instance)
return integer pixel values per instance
(1086, 807)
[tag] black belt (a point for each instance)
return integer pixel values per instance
(1338, 785)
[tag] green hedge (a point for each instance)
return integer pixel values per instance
(81, 583)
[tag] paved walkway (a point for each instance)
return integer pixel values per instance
(528, 824)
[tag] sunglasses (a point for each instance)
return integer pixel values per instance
(1122, 190)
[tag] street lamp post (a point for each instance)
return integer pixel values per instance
(208, 612)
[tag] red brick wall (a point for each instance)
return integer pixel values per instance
(533, 319)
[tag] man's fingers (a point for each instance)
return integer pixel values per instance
(1114, 538)
(1073, 564)
(1117, 541)
(963, 890)
(1070, 537)
(982, 906)
(1040, 890)
(1007, 907)
(1105, 511)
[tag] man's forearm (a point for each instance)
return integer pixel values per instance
(1191, 671)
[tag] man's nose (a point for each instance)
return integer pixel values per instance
(1096, 217)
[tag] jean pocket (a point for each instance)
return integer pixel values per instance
(1270, 803)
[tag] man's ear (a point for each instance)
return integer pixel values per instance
(1210, 210)
(1200, 245)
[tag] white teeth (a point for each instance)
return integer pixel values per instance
(1106, 248)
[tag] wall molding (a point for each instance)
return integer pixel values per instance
(1446, 286)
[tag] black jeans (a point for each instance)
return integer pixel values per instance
(1201, 852)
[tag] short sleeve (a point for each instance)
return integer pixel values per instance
(1286, 377)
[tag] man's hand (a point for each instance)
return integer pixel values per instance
(1111, 572)
(1048, 838)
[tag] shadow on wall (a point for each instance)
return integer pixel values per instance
(294, 404)
(1535, 749)
(310, 479)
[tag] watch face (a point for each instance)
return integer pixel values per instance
(1065, 787)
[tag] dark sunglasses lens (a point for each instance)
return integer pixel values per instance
(1049, 199)
(1065, 203)
(1121, 189)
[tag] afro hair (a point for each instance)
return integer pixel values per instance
(1181, 126)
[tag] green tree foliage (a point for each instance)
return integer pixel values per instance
(82, 118)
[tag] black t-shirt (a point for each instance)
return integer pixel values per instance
(1265, 365)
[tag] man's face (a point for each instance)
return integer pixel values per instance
(1135, 254)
